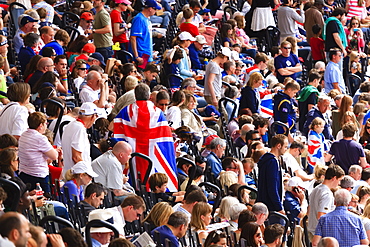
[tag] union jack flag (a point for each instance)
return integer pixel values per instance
(267, 107)
(316, 148)
(145, 128)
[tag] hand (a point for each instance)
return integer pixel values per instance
(88, 31)
(300, 195)
(139, 60)
(56, 240)
(215, 102)
(63, 72)
(344, 53)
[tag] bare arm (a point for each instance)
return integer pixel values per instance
(76, 156)
(363, 162)
(336, 86)
(315, 240)
(328, 157)
(210, 80)
(106, 29)
(52, 154)
(117, 30)
(103, 95)
(290, 70)
(319, 214)
(134, 49)
(364, 241)
(339, 43)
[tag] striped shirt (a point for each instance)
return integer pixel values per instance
(355, 10)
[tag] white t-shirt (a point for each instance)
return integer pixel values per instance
(57, 140)
(109, 169)
(174, 115)
(87, 94)
(75, 136)
(13, 119)
(291, 162)
(213, 68)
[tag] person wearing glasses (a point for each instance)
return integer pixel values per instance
(85, 25)
(333, 76)
(287, 63)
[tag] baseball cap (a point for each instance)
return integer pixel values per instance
(203, 11)
(83, 167)
(88, 108)
(152, 4)
(26, 19)
(209, 139)
(127, 2)
(87, 16)
(99, 57)
(104, 215)
(186, 36)
(89, 47)
(200, 39)
(226, 52)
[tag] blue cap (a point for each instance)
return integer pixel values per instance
(26, 19)
(99, 57)
(203, 11)
(152, 4)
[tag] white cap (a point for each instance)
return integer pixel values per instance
(200, 39)
(101, 214)
(88, 108)
(296, 182)
(226, 52)
(83, 167)
(186, 36)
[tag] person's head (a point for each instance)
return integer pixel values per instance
(193, 197)
(190, 101)
(158, 182)
(279, 142)
(162, 100)
(334, 173)
(189, 84)
(317, 125)
(363, 192)
(328, 242)
(62, 36)
(339, 13)
(178, 221)
(246, 216)
(27, 23)
(80, 69)
(71, 237)
(130, 83)
(177, 56)
(86, 20)
(45, 64)
(252, 233)
(93, 79)
(184, 39)
(225, 205)
(316, 29)
(8, 141)
(187, 13)
(47, 34)
(60, 62)
(31, 40)
(335, 55)
(314, 78)
(342, 197)
(261, 60)
(37, 121)
(37, 233)
(228, 164)
(122, 150)
(133, 207)
(273, 234)
(349, 130)
(101, 234)
(260, 124)
(88, 113)
(159, 214)
(286, 48)
(15, 227)
(355, 172)
(296, 148)
(291, 88)
(217, 238)
(235, 210)
(199, 42)
(142, 92)
(201, 216)
(347, 182)
(19, 92)
(261, 211)
(151, 71)
(120, 242)
(99, 4)
(255, 80)
(9, 161)
(128, 69)
(81, 172)
(218, 146)
(95, 193)
(323, 104)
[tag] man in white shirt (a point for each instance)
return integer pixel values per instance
(290, 159)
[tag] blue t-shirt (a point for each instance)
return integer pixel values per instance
(165, 232)
(56, 46)
(141, 30)
(285, 62)
(175, 82)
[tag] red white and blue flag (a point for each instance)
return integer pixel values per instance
(145, 128)
(316, 148)
(267, 106)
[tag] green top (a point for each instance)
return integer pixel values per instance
(101, 20)
(306, 92)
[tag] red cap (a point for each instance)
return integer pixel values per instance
(87, 16)
(209, 139)
(89, 47)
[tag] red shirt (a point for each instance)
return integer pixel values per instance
(189, 27)
(116, 17)
(317, 48)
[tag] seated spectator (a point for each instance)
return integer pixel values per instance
(61, 39)
(162, 100)
(26, 52)
(158, 185)
(150, 72)
(94, 196)
(128, 97)
(101, 235)
(44, 65)
(27, 24)
(174, 112)
(15, 227)
(198, 175)
(187, 25)
(49, 9)
(273, 235)
(80, 174)
(85, 24)
(295, 201)
(194, 50)
(175, 228)
(79, 74)
(215, 238)
(183, 40)
(217, 148)
(190, 199)
(159, 215)
(72, 237)
(252, 233)
(200, 218)
(47, 34)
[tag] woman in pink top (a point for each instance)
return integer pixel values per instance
(35, 152)
(355, 36)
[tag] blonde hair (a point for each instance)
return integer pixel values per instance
(225, 204)
(316, 121)
(130, 82)
(159, 214)
(201, 208)
(319, 171)
(255, 77)
(293, 42)
(366, 213)
(228, 178)
(352, 56)
(353, 118)
(69, 175)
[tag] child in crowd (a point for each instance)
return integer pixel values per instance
(243, 57)
(188, 26)
(316, 145)
(317, 44)
(173, 68)
(158, 185)
(354, 63)
(329, 6)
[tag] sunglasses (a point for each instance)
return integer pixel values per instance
(89, 22)
(82, 68)
(164, 104)
(367, 127)
(287, 48)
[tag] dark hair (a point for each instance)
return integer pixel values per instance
(35, 119)
(226, 162)
(120, 242)
(277, 139)
(72, 237)
(178, 97)
(248, 231)
(48, 51)
(196, 170)
(213, 238)
(161, 95)
(126, 68)
(316, 29)
(259, 121)
(250, 134)
(273, 232)
(334, 171)
(8, 222)
(177, 55)
(349, 130)
(333, 52)
(297, 144)
(246, 216)
(194, 4)
(49, 76)
(52, 109)
(187, 13)
(152, 68)
(195, 196)
(314, 75)
(77, 45)
(32, 66)
(6, 157)
(59, 57)
(275, 50)
(224, 30)
(338, 11)
(135, 201)
(7, 140)
(30, 39)
(92, 188)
